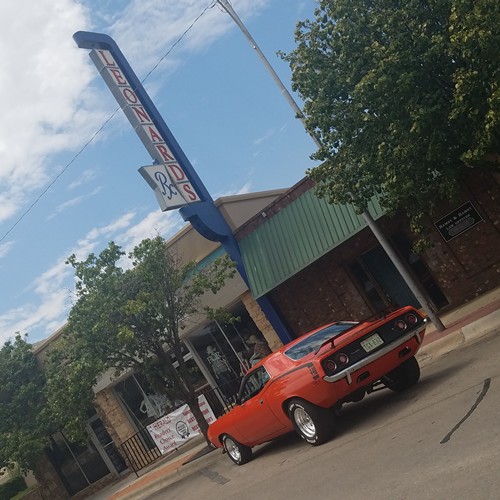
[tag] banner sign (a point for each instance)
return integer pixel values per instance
(178, 427)
(458, 221)
(153, 141)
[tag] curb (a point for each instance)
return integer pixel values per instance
(440, 347)
(482, 326)
(466, 334)
(169, 474)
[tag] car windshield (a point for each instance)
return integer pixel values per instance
(310, 344)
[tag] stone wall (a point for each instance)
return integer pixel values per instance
(114, 417)
(261, 322)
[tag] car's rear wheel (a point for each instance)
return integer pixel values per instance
(404, 376)
(237, 452)
(314, 424)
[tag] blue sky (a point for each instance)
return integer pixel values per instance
(215, 95)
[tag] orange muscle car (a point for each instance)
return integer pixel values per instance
(303, 385)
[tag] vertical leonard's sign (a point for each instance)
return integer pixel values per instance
(167, 178)
(172, 177)
(172, 187)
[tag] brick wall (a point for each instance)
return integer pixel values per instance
(469, 265)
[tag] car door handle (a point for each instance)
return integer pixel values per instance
(261, 401)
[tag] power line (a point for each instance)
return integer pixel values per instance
(98, 131)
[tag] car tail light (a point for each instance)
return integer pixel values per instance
(412, 319)
(329, 366)
(342, 359)
(401, 324)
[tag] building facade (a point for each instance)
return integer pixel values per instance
(316, 263)
(319, 263)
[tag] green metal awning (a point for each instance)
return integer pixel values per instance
(299, 234)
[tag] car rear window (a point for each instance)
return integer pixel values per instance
(310, 344)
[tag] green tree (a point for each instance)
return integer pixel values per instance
(129, 319)
(24, 430)
(404, 97)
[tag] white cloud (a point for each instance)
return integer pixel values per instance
(54, 287)
(5, 248)
(163, 223)
(86, 176)
(51, 77)
(74, 202)
(100, 236)
(45, 78)
(51, 279)
(50, 310)
(168, 24)
(284, 127)
(49, 107)
(263, 138)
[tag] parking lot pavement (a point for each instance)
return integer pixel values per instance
(463, 325)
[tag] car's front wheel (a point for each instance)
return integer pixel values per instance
(404, 376)
(314, 424)
(237, 452)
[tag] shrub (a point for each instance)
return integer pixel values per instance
(12, 488)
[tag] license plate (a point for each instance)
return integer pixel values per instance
(371, 342)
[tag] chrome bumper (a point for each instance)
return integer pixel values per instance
(415, 332)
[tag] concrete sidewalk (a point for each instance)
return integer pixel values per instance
(463, 325)
(466, 324)
(165, 471)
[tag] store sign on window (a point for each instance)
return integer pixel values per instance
(179, 426)
(458, 221)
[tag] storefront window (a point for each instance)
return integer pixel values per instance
(374, 294)
(142, 402)
(78, 465)
(197, 378)
(104, 439)
(225, 350)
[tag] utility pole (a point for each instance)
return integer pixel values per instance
(284, 91)
(384, 242)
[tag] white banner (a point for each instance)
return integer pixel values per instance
(178, 427)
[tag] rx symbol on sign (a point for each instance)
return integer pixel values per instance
(165, 184)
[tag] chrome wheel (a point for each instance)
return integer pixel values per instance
(239, 453)
(304, 422)
(232, 449)
(314, 424)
